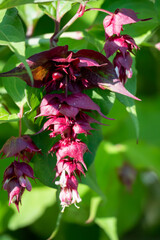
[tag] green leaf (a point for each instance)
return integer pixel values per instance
(34, 205)
(6, 117)
(12, 3)
(44, 164)
(92, 141)
(44, 169)
(34, 96)
(130, 103)
(157, 8)
(95, 201)
(103, 98)
(52, 8)
(99, 44)
(12, 35)
(30, 13)
(109, 225)
(91, 181)
(15, 87)
(131, 109)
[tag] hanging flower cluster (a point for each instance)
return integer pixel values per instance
(15, 179)
(121, 44)
(69, 112)
(67, 116)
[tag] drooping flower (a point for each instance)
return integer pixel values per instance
(123, 43)
(68, 127)
(15, 181)
(21, 147)
(70, 106)
(67, 169)
(127, 175)
(113, 24)
(69, 194)
(122, 64)
(70, 148)
(69, 166)
(59, 68)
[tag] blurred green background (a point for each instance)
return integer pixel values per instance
(122, 200)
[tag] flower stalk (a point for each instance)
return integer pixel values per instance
(20, 115)
(58, 32)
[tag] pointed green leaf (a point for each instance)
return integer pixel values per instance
(131, 109)
(30, 13)
(16, 89)
(109, 225)
(103, 98)
(99, 44)
(130, 103)
(44, 164)
(12, 3)
(44, 169)
(95, 201)
(14, 86)
(12, 35)
(6, 117)
(51, 8)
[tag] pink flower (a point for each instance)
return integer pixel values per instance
(69, 166)
(113, 24)
(15, 181)
(59, 68)
(68, 194)
(68, 127)
(68, 148)
(123, 43)
(122, 66)
(157, 45)
(59, 104)
(21, 147)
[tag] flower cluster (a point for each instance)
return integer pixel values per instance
(64, 76)
(68, 117)
(121, 44)
(15, 179)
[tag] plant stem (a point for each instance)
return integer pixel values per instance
(99, 9)
(53, 41)
(57, 227)
(20, 115)
(78, 14)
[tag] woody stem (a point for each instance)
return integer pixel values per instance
(78, 14)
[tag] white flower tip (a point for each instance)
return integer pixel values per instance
(117, 71)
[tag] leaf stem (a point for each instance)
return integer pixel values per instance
(20, 115)
(57, 227)
(53, 41)
(78, 14)
(99, 9)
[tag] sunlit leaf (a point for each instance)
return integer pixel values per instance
(95, 201)
(34, 205)
(12, 35)
(6, 117)
(12, 3)
(62, 7)
(108, 224)
(30, 13)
